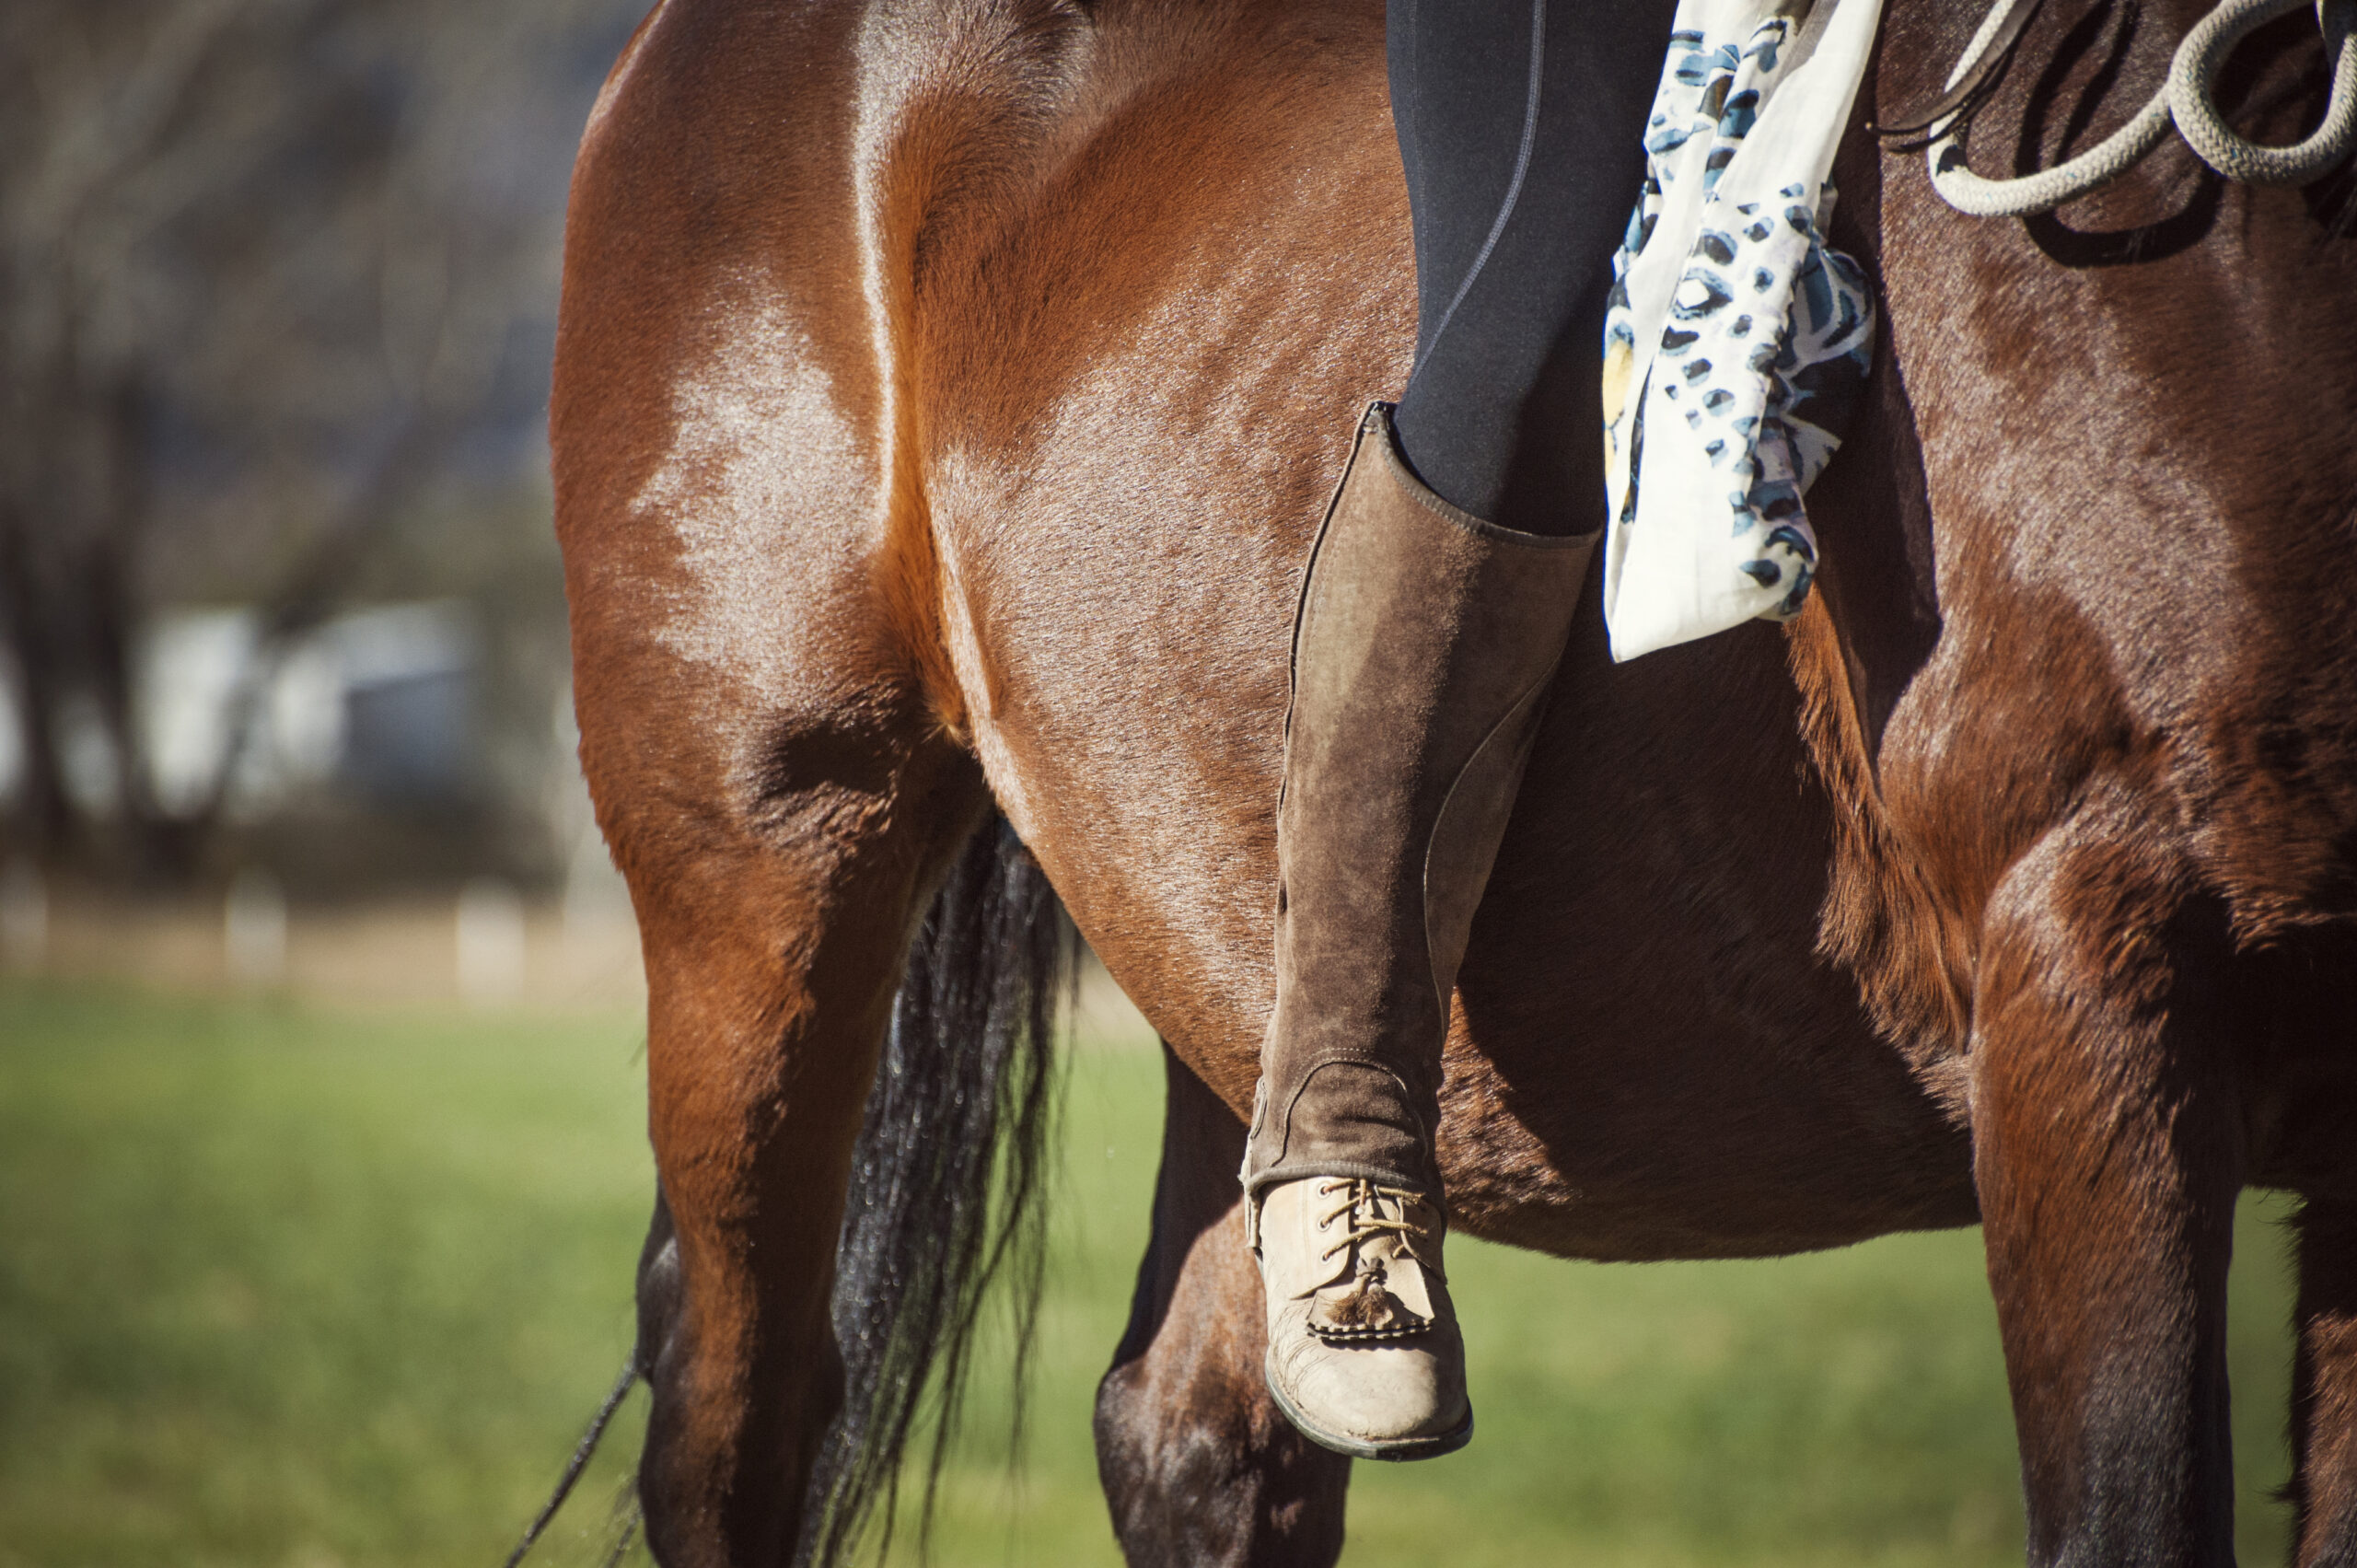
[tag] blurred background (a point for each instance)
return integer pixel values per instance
(322, 1161)
(282, 634)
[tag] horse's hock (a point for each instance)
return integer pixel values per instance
(945, 394)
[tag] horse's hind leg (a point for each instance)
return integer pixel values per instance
(2108, 1155)
(1200, 1468)
(778, 840)
(2324, 1386)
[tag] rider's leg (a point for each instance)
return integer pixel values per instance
(1519, 200)
(1439, 594)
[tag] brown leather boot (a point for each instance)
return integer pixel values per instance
(1423, 649)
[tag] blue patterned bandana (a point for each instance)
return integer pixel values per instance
(1736, 341)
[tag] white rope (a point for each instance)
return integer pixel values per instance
(2047, 189)
(2203, 54)
(2183, 101)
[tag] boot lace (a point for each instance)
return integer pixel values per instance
(1374, 1209)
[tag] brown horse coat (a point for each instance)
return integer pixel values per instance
(945, 395)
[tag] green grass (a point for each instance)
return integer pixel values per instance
(301, 1288)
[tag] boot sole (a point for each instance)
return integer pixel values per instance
(1399, 1450)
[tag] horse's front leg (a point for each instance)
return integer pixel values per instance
(1200, 1468)
(2324, 1386)
(2108, 1155)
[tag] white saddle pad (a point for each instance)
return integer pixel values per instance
(1737, 340)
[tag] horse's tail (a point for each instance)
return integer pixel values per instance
(947, 1181)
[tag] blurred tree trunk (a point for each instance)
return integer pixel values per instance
(94, 92)
(47, 818)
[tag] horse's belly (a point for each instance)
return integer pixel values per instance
(1655, 1061)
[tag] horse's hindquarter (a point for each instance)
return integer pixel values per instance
(1142, 357)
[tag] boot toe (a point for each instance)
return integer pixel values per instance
(1379, 1399)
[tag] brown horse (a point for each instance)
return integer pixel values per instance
(946, 391)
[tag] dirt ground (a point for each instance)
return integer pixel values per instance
(482, 945)
(472, 947)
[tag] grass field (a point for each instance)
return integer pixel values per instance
(293, 1286)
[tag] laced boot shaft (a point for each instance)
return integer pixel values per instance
(1423, 648)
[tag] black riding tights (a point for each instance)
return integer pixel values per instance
(1520, 125)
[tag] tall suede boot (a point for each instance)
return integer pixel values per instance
(1423, 648)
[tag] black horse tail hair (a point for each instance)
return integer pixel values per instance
(581, 1453)
(947, 1185)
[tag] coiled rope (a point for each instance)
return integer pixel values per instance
(2183, 102)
